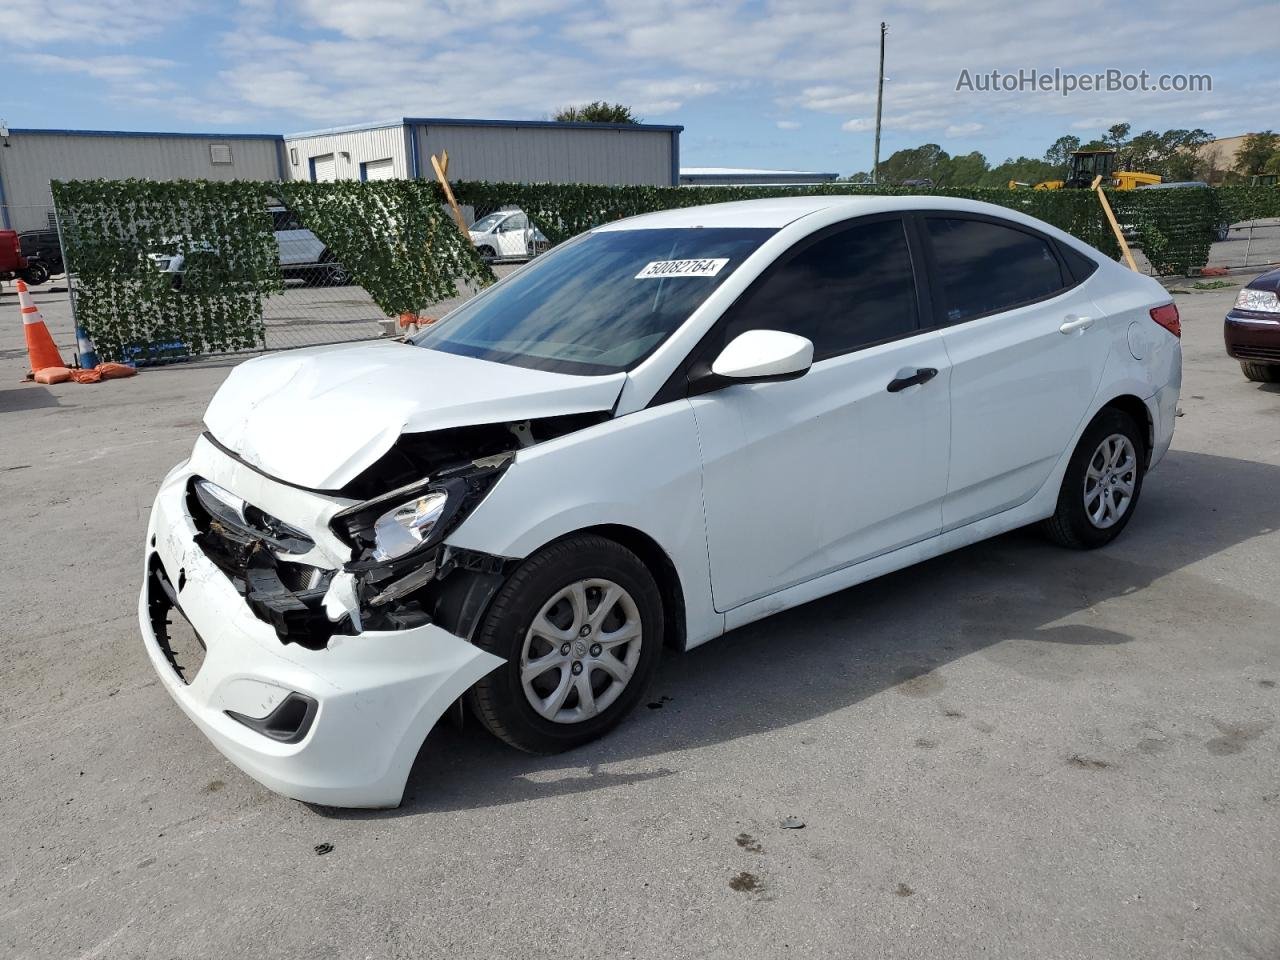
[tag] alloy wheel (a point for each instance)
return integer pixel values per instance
(581, 650)
(1110, 480)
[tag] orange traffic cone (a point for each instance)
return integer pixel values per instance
(40, 346)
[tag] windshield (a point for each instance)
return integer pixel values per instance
(485, 224)
(598, 304)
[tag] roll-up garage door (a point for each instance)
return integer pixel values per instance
(379, 170)
(323, 169)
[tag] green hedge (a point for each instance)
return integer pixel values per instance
(111, 229)
(1174, 228)
(396, 240)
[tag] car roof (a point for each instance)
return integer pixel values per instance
(776, 212)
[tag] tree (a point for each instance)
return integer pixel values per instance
(597, 111)
(925, 162)
(967, 170)
(1022, 169)
(1060, 151)
(1257, 153)
(1116, 135)
(1174, 154)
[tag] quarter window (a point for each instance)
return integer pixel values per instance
(845, 291)
(984, 268)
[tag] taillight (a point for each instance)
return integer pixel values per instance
(1167, 317)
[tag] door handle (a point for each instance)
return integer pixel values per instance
(922, 375)
(1075, 325)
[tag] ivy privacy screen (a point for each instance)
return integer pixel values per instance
(169, 270)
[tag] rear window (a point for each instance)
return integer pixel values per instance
(985, 267)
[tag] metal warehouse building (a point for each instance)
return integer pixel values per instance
(29, 159)
(521, 151)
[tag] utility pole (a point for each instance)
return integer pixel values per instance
(875, 164)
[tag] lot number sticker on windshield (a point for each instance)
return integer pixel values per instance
(681, 268)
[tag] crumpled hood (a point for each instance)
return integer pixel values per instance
(318, 417)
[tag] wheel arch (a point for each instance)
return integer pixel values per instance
(655, 558)
(1138, 411)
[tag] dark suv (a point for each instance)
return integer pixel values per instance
(1252, 328)
(42, 245)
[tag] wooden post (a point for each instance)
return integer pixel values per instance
(441, 165)
(1115, 227)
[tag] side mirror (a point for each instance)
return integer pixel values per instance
(764, 355)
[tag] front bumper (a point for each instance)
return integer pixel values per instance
(1252, 337)
(377, 693)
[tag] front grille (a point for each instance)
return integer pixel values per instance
(1250, 352)
(253, 549)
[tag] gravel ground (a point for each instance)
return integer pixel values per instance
(1012, 751)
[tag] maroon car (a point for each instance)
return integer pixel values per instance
(1252, 329)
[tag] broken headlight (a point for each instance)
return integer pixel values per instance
(408, 526)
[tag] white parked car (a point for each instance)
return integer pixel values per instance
(507, 235)
(303, 255)
(661, 430)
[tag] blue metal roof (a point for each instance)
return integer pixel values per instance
(28, 131)
(462, 122)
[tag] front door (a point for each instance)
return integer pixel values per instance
(803, 477)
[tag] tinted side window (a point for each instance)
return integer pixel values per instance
(985, 268)
(845, 291)
(1081, 267)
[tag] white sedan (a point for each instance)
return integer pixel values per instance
(661, 430)
(507, 235)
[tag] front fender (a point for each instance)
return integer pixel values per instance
(643, 471)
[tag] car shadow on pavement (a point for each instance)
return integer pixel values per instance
(895, 633)
(29, 397)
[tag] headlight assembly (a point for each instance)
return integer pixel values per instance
(1258, 301)
(408, 526)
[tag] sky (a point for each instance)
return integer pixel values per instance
(788, 84)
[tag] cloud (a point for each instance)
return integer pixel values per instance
(102, 22)
(287, 64)
(110, 68)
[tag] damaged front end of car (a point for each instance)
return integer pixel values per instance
(398, 574)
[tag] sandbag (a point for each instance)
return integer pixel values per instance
(52, 375)
(115, 371)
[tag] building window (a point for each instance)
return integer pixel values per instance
(293, 156)
(220, 153)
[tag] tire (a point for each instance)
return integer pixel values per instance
(1260, 372)
(1089, 472)
(36, 273)
(487, 254)
(541, 588)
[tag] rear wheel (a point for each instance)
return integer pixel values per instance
(36, 273)
(1260, 372)
(1101, 486)
(580, 626)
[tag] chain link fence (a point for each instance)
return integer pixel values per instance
(299, 293)
(311, 297)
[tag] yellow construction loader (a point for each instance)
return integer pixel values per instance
(1088, 164)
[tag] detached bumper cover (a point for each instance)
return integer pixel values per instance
(376, 694)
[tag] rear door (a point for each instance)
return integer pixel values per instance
(805, 476)
(1027, 348)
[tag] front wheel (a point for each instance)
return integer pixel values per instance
(1260, 372)
(1101, 486)
(580, 626)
